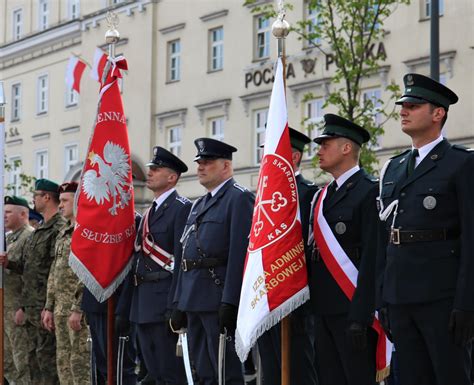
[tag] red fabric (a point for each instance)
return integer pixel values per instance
(105, 226)
(78, 71)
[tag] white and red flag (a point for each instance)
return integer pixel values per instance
(100, 59)
(102, 241)
(275, 280)
(75, 69)
(345, 274)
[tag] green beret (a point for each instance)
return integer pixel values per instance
(421, 89)
(16, 201)
(46, 185)
(336, 126)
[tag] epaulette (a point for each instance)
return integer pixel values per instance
(401, 154)
(182, 200)
(308, 183)
(462, 148)
(239, 187)
(372, 178)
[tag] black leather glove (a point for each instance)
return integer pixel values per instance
(122, 326)
(178, 320)
(385, 322)
(461, 326)
(356, 334)
(227, 318)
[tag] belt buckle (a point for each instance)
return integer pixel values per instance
(184, 265)
(395, 236)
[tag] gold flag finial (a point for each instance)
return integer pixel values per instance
(112, 36)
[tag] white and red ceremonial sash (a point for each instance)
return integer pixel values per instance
(152, 250)
(100, 59)
(345, 273)
(75, 69)
(275, 280)
(103, 238)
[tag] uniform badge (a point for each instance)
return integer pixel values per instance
(434, 156)
(402, 160)
(340, 228)
(429, 202)
(410, 81)
(200, 144)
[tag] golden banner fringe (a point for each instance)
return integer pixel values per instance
(382, 374)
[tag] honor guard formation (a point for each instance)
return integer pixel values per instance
(406, 237)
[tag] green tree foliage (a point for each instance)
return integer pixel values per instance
(26, 181)
(348, 30)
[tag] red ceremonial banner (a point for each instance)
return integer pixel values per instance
(102, 241)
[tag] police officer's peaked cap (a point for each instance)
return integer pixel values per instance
(336, 126)
(70, 187)
(164, 158)
(16, 201)
(421, 89)
(46, 185)
(298, 139)
(213, 149)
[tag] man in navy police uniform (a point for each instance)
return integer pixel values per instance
(345, 341)
(215, 244)
(302, 366)
(426, 259)
(158, 248)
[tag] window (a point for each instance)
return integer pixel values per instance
(216, 49)
(42, 95)
(426, 8)
(17, 23)
(42, 164)
(371, 15)
(260, 121)
(174, 61)
(262, 43)
(14, 179)
(43, 15)
(73, 9)
(16, 99)
(216, 128)
(71, 157)
(373, 97)
(313, 17)
(314, 117)
(72, 97)
(174, 140)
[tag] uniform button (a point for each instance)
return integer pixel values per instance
(403, 194)
(401, 211)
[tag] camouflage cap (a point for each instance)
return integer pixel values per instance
(16, 201)
(46, 185)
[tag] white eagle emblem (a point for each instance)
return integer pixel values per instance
(112, 179)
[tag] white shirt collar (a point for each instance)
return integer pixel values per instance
(216, 190)
(426, 149)
(159, 200)
(344, 177)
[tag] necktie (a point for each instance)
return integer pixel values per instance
(152, 211)
(207, 198)
(331, 190)
(412, 161)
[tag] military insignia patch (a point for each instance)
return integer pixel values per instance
(409, 81)
(429, 202)
(340, 228)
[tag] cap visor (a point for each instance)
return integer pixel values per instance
(320, 138)
(411, 99)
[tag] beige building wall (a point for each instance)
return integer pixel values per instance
(171, 112)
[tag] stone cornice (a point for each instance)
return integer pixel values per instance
(214, 15)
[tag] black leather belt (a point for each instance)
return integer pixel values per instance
(398, 236)
(190, 264)
(150, 277)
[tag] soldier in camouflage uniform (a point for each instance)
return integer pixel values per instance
(63, 302)
(16, 345)
(38, 254)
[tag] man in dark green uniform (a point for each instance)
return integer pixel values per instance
(426, 259)
(302, 355)
(35, 263)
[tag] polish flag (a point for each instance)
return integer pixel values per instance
(75, 69)
(275, 280)
(100, 59)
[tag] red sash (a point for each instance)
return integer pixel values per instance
(345, 274)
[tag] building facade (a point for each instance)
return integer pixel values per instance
(199, 68)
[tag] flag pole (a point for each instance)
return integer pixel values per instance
(112, 36)
(2, 224)
(280, 30)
